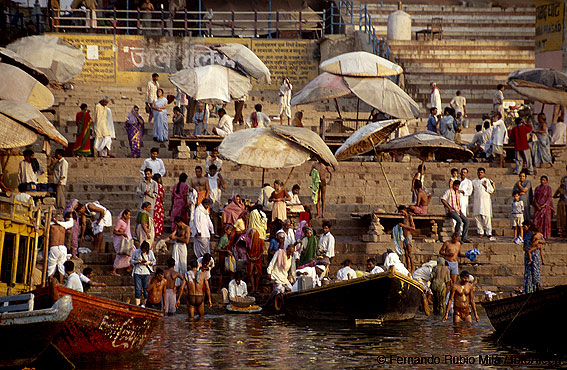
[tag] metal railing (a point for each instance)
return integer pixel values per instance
(300, 24)
(380, 46)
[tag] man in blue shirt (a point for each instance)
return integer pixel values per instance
(432, 121)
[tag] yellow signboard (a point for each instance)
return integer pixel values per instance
(549, 25)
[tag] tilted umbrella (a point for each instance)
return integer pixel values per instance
(59, 60)
(260, 147)
(547, 86)
(9, 57)
(247, 60)
(212, 84)
(17, 85)
(308, 140)
(360, 64)
(365, 139)
(30, 117)
(425, 145)
(378, 92)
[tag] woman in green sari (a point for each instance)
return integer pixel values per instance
(309, 246)
(82, 146)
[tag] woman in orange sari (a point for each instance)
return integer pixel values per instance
(82, 145)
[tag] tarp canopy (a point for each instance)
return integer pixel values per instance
(366, 138)
(247, 60)
(9, 57)
(59, 60)
(545, 85)
(17, 85)
(360, 64)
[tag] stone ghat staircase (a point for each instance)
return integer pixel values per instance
(356, 187)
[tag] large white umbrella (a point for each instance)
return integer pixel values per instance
(59, 60)
(17, 85)
(247, 60)
(545, 85)
(360, 64)
(9, 57)
(212, 84)
(260, 147)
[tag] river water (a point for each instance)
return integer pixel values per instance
(238, 341)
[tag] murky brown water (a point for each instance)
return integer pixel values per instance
(247, 341)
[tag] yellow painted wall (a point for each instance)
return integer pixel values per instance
(126, 60)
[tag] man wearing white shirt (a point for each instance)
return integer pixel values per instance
(60, 167)
(237, 287)
(499, 137)
(285, 100)
(151, 93)
(498, 100)
(279, 268)
(264, 198)
(154, 163)
(202, 229)
(294, 205)
(346, 273)
(73, 279)
(459, 104)
(557, 130)
(327, 241)
(257, 118)
(26, 173)
(482, 207)
(289, 233)
(435, 97)
(224, 127)
(465, 190)
(371, 266)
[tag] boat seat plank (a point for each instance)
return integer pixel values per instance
(6, 303)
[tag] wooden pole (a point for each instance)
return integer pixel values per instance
(357, 105)
(263, 176)
(46, 246)
(384, 173)
(36, 240)
(337, 107)
(288, 176)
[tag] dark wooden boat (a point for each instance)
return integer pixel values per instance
(531, 316)
(25, 335)
(388, 296)
(100, 327)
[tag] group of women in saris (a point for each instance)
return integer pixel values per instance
(541, 199)
(540, 143)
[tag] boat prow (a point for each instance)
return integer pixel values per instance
(387, 296)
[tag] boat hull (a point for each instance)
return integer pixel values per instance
(100, 327)
(529, 315)
(24, 336)
(387, 296)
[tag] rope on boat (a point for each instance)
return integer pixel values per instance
(515, 316)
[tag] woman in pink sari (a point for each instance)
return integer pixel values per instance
(543, 205)
(179, 201)
(121, 231)
(232, 212)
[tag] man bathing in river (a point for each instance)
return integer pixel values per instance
(171, 301)
(197, 286)
(451, 251)
(156, 290)
(408, 226)
(462, 292)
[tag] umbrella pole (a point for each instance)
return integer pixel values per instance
(263, 175)
(337, 107)
(542, 107)
(384, 173)
(357, 105)
(288, 176)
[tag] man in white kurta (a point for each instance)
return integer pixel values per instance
(327, 242)
(498, 100)
(151, 92)
(285, 100)
(482, 207)
(102, 135)
(202, 229)
(279, 269)
(224, 127)
(435, 97)
(465, 191)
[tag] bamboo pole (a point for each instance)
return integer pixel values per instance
(384, 173)
(36, 241)
(46, 246)
(288, 176)
(337, 107)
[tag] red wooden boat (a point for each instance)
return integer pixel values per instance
(99, 326)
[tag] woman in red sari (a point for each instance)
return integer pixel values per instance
(82, 146)
(159, 214)
(543, 204)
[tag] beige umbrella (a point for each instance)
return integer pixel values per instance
(212, 84)
(360, 64)
(365, 139)
(425, 145)
(17, 85)
(545, 85)
(9, 57)
(13, 134)
(59, 60)
(31, 118)
(309, 140)
(247, 60)
(260, 147)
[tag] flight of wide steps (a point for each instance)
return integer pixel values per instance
(356, 187)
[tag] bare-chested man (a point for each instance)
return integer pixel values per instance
(408, 226)
(171, 297)
(57, 249)
(201, 184)
(451, 251)
(422, 199)
(462, 292)
(156, 291)
(319, 184)
(197, 286)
